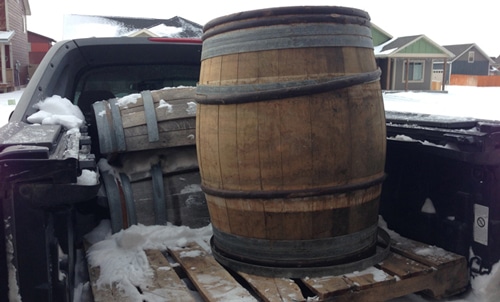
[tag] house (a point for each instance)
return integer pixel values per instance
(469, 60)
(495, 67)
(39, 45)
(14, 45)
(407, 62)
(379, 36)
(82, 26)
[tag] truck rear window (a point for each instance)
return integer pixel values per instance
(125, 80)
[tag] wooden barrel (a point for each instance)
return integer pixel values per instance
(149, 120)
(291, 139)
(155, 187)
(155, 179)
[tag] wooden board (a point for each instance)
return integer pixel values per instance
(274, 289)
(411, 267)
(212, 281)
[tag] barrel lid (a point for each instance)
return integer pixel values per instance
(285, 15)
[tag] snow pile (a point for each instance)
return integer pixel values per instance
(121, 256)
(56, 110)
(128, 99)
(486, 288)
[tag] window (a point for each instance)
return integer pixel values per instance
(415, 71)
(123, 80)
(471, 57)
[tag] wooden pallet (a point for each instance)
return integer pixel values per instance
(411, 267)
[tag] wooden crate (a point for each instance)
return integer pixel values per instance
(411, 267)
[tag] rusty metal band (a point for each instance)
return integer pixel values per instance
(107, 143)
(258, 194)
(129, 199)
(296, 252)
(114, 200)
(382, 250)
(118, 133)
(239, 94)
(158, 190)
(150, 116)
(285, 16)
(301, 35)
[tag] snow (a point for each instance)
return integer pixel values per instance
(459, 101)
(164, 104)
(84, 26)
(78, 26)
(128, 99)
(56, 110)
(88, 178)
(121, 256)
(191, 109)
(163, 30)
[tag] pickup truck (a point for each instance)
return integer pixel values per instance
(46, 210)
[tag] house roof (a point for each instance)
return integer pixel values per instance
(459, 49)
(379, 35)
(189, 29)
(140, 23)
(41, 36)
(6, 36)
(143, 33)
(412, 46)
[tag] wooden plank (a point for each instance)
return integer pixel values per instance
(330, 286)
(427, 254)
(274, 289)
(447, 276)
(450, 275)
(213, 282)
(178, 138)
(171, 110)
(369, 278)
(166, 283)
(105, 293)
(327, 287)
(403, 267)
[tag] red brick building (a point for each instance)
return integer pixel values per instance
(14, 46)
(39, 45)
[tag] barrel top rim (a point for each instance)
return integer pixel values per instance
(286, 10)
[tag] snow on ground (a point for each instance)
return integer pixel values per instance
(460, 101)
(8, 102)
(121, 255)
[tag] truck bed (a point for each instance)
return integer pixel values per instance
(192, 274)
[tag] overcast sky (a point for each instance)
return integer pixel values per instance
(445, 22)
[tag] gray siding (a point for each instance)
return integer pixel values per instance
(480, 66)
(399, 79)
